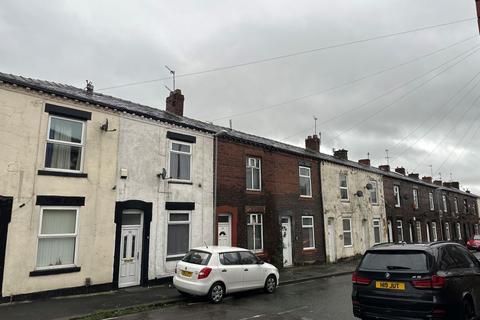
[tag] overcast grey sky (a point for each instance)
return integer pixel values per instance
(422, 123)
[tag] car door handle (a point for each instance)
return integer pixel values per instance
(245, 270)
(224, 270)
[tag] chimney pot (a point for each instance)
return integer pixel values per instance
(365, 162)
(175, 102)
(341, 154)
(313, 143)
(384, 167)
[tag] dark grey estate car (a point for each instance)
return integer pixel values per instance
(439, 280)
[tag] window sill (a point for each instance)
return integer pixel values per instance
(174, 258)
(345, 200)
(47, 272)
(306, 197)
(179, 182)
(310, 249)
(62, 174)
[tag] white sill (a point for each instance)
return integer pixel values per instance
(257, 190)
(62, 170)
(309, 248)
(349, 246)
(63, 266)
(307, 197)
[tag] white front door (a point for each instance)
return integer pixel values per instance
(224, 229)
(287, 241)
(130, 250)
(331, 240)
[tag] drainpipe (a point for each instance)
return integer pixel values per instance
(215, 183)
(322, 213)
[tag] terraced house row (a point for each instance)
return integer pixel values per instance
(99, 193)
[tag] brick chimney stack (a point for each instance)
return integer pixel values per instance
(427, 179)
(455, 184)
(401, 170)
(341, 154)
(413, 175)
(384, 167)
(447, 184)
(365, 162)
(438, 182)
(313, 143)
(175, 102)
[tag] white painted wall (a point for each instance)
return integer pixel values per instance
(144, 152)
(359, 209)
(23, 132)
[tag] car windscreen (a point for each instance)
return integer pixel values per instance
(197, 257)
(395, 261)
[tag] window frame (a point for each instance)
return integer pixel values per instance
(73, 144)
(396, 194)
(416, 204)
(465, 205)
(444, 202)
(250, 223)
(312, 226)
(418, 231)
(170, 150)
(247, 165)
(347, 231)
(431, 201)
(343, 188)
(458, 230)
(455, 205)
(377, 226)
(375, 189)
(309, 180)
(170, 222)
(447, 231)
(400, 228)
(58, 236)
(434, 231)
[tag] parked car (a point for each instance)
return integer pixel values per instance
(215, 271)
(439, 280)
(474, 243)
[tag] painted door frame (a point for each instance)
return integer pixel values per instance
(146, 208)
(291, 241)
(140, 242)
(5, 218)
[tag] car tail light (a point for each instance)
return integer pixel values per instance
(436, 282)
(204, 273)
(356, 279)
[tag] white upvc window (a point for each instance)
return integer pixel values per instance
(373, 193)
(254, 174)
(308, 232)
(418, 227)
(447, 231)
(65, 144)
(396, 194)
(57, 237)
(459, 231)
(180, 161)
(431, 201)
(255, 232)
(444, 201)
(415, 198)
(343, 187)
(455, 204)
(377, 238)
(347, 232)
(178, 234)
(305, 182)
(434, 231)
(400, 231)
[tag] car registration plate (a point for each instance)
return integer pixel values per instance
(186, 273)
(390, 285)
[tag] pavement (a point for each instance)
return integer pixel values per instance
(142, 298)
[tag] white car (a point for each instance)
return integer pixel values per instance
(215, 271)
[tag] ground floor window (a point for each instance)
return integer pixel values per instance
(400, 230)
(428, 232)
(459, 231)
(57, 237)
(410, 232)
(390, 231)
(447, 231)
(418, 227)
(347, 232)
(476, 228)
(434, 231)
(255, 232)
(308, 233)
(178, 242)
(376, 231)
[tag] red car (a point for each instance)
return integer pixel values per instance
(474, 244)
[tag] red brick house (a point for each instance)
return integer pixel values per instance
(269, 198)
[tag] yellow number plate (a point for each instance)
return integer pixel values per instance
(390, 285)
(186, 273)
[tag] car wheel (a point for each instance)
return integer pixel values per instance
(216, 293)
(270, 284)
(468, 310)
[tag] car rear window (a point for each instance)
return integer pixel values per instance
(197, 257)
(395, 261)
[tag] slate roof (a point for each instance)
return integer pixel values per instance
(122, 105)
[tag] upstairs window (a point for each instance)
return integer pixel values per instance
(444, 201)
(415, 199)
(254, 174)
(180, 161)
(455, 205)
(465, 206)
(305, 182)
(343, 187)
(373, 193)
(430, 200)
(65, 143)
(396, 195)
